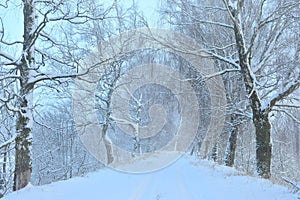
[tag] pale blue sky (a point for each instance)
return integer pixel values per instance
(149, 8)
(13, 18)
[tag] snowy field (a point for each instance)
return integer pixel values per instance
(185, 179)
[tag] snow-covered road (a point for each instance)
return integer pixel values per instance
(186, 179)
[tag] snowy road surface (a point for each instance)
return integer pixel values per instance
(185, 179)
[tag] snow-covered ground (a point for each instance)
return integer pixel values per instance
(185, 179)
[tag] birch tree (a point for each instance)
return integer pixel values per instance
(260, 40)
(44, 43)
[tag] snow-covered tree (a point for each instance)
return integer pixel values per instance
(43, 43)
(260, 40)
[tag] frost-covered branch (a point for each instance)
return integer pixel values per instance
(197, 21)
(287, 105)
(224, 59)
(9, 141)
(289, 89)
(6, 101)
(221, 73)
(287, 113)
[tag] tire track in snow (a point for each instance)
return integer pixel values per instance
(184, 194)
(141, 188)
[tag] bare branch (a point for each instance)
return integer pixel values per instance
(5, 5)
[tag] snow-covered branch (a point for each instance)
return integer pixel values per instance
(38, 77)
(6, 56)
(287, 113)
(290, 88)
(212, 23)
(80, 16)
(9, 141)
(199, 21)
(43, 77)
(9, 77)
(287, 105)
(221, 73)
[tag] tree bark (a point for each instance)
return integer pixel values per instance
(214, 154)
(23, 152)
(263, 145)
(230, 151)
(23, 141)
(297, 138)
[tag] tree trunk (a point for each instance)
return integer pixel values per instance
(109, 151)
(260, 117)
(23, 125)
(263, 145)
(297, 138)
(5, 149)
(107, 142)
(214, 154)
(23, 152)
(230, 151)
